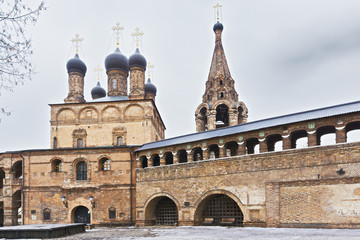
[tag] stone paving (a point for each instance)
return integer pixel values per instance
(223, 233)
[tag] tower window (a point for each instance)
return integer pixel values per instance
(114, 84)
(119, 141)
(55, 143)
(221, 95)
(80, 142)
(221, 82)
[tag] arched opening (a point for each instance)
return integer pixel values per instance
(241, 115)
(353, 132)
(213, 151)
(17, 169)
(299, 139)
(252, 146)
(222, 116)
(112, 213)
(143, 161)
(202, 118)
(46, 214)
(218, 210)
(156, 160)
(169, 158)
(182, 155)
(81, 171)
(161, 211)
(81, 215)
(104, 164)
(231, 149)
(326, 135)
(56, 165)
(271, 142)
(16, 208)
(197, 154)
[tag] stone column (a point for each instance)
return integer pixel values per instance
(241, 149)
(162, 160)
(233, 117)
(211, 119)
(138, 163)
(312, 138)
(190, 156)
(340, 134)
(176, 158)
(205, 153)
(263, 145)
(286, 142)
(222, 151)
(150, 162)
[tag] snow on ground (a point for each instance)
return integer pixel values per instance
(215, 233)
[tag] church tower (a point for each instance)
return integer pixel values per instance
(220, 106)
(76, 69)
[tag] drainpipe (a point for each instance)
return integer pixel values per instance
(131, 183)
(22, 190)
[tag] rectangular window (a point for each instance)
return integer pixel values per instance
(119, 141)
(46, 215)
(112, 214)
(114, 84)
(80, 143)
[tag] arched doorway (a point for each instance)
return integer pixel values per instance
(219, 210)
(81, 215)
(161, 211)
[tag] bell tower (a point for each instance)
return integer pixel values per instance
(220, 106)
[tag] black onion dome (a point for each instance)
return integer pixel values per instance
(98, 92)
(218, 26)
(137, 60)
(75, 64)
(117, 61)
(150, 88)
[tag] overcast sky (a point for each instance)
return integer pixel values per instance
(285, 57)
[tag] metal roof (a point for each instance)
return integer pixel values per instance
(256, 125)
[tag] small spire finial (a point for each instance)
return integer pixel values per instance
(98, 70)
(149, 67)
(137, 34)
(117, 29)
(217, 6)
(77, 41)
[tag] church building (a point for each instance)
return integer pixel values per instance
(109, 161)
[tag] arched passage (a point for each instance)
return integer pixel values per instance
(169, 158)
(197, 154)
(217, 210)
(81, 214)
(353, 132)
(299, 139)
(325, 135)
(16, 208)
(143, 162)
(161, 211)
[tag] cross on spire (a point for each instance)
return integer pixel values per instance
(137, 34)
(98, 70)
(117, 29)
(77, 41)
(149, 67)
(217, 6)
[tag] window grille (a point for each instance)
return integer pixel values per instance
(81, 171)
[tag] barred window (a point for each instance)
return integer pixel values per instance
(81, 171)
(46, 214)
(105, 164)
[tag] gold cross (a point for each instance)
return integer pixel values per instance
(77, 41)
(117, 29)
(217, 6)
(137, 34)
(98, 70)
(149, 67)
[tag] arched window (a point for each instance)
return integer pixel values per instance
(299, 139)
(169, 158)
(252, 145)
(119, 141)
(55, 143)
(353, 132)
(222, 116)
(81, 171)
(197, 154)
(221, 95)
(80, 143)
(182, 156)
(143, 161)
(221, 82)
(105, 164)
(112, 213)
(213, 151)
(56, 166)
(156, 160)
(231, 149)
(17, 169)
(274, 142)
(326, 135)
(46, 214)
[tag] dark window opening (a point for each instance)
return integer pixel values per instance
(182, 154)
(156, 160)
(231, 149)
(213, 151)
(46, 214)
(221, 82)
(144, 162)
(221, 95)
(271, 142)
(299, 139)
(252, 146)
(81, 171)
(222, 116)
(197, 154)
(57, 166)
(55, 142)
(112, 213)
(169, 158)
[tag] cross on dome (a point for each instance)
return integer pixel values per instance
(77, 41)
(117, 29)
(217, 6)
(149, 67)
(137, 34)
(98, 70)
